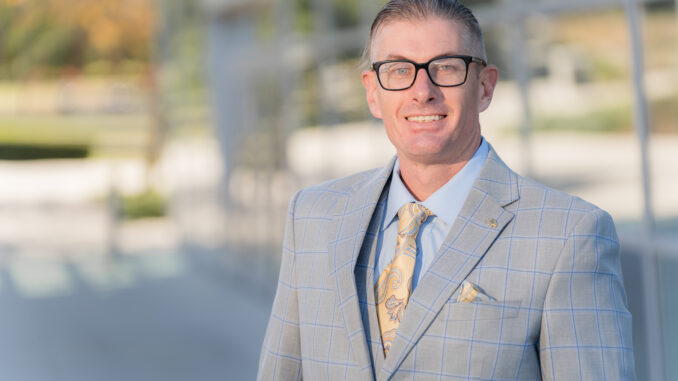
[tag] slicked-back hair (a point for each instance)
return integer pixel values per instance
(397, 10)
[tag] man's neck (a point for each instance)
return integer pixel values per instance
(424, 179)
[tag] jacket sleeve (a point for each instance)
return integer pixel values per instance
(281, 351)
(586, 326)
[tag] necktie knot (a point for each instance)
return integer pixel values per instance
(411, 216)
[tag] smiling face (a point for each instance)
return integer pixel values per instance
(428, 124)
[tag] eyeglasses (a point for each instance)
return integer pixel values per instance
(448, 71)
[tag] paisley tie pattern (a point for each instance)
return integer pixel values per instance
(395, 283)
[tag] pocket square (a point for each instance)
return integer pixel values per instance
(471, 293)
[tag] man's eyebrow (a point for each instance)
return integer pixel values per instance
(447, 54)
(399, 57)
(396, 57)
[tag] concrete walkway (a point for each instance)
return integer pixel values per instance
(157, 316)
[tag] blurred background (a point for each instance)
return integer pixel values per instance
(148, 150)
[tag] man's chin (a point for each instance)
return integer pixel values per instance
(426, 157)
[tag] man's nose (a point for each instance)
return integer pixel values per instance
(424, 91)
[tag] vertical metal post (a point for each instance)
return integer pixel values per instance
(114, 209)
(651, 290)
(520, 67)
(160, 49)
(230, 36)
(675, 11)
(324, 35)
(289, 79)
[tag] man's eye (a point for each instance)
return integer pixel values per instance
(447, 68)
(400, 70)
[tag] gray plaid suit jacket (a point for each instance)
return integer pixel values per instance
(549, 259)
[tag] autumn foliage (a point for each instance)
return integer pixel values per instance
(49, 36)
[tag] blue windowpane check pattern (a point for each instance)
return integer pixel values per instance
(549, 261)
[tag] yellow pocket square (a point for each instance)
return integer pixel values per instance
(471, 293)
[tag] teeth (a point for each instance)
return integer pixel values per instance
(424, 118)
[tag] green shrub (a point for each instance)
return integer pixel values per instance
(147, 204)
(9, 151)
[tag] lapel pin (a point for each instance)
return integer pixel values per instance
(492, 222)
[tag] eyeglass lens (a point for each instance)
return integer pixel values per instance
(443, 72)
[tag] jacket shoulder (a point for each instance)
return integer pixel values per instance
(559, 211)
(321, 197)
(534, 192)
(345, 184)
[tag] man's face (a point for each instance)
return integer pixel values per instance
(428, 124)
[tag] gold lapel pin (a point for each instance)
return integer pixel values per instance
(492, 222)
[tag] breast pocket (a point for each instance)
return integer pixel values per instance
(486, 324)
(482, 311)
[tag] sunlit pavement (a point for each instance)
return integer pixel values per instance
(151, 316)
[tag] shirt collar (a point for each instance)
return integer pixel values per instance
(446, 202)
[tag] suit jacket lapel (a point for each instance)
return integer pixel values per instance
(349, 224)
(480, 221)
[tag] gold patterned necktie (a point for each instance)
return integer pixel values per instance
(395, 283)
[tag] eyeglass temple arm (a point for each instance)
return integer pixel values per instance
(479, 60)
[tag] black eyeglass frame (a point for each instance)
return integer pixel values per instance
(425, 66)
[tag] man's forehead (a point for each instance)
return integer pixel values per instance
(434, 35)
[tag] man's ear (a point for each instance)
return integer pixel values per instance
(369, 78)
(487, 82)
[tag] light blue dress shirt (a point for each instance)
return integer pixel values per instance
(445, 203)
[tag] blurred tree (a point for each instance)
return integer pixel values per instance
(44, 35)
(347, 13)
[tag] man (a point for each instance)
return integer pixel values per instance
(445, 264)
